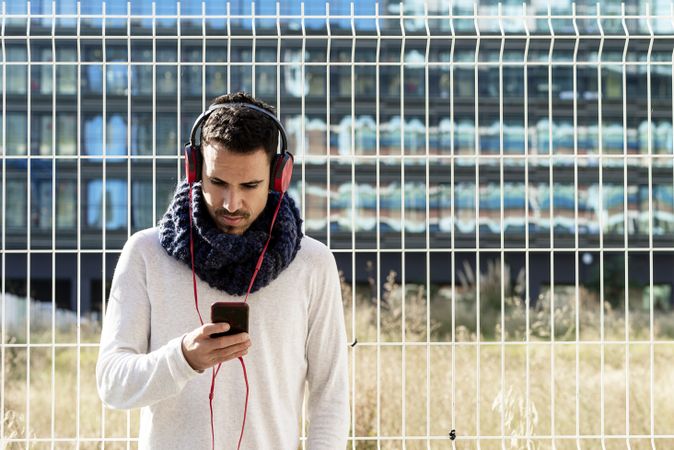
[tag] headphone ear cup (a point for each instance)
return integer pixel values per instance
(192, 163)
(282, 172)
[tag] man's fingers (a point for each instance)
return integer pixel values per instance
(211, 328)
(232, 351)
(227, 341)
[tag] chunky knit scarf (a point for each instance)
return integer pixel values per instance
(227, 261)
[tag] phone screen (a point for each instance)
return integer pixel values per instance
(234, 313)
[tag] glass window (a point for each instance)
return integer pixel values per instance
(191, 49)
(242, 79)
(317, 81)
(42, 73)
(66, 192)
(366, 206)
(66, 134)
(167, 134)
(17, 81)
(564, 200)
(464, 207)
(415, 207)
(42, 134)
(440, 212)
(389, 136)
(216, 80)
(93, 79)
(365, 82)
(66, 79)
(93, 135)
(166, 80)
(141, 134)
(365, 136)
(663, 209)
(116, 79)
(539, 210)
(216, 50)
(165, 185)
(142, 204)
(265, 80)
(415, 136)
(464, 137)
(66, 50)
(490, 208)
(316, 137)
(513, 138)
(293, 128)
(15, 214)
(514, 207)
(115, 204)
(316, 206)
(141, 80)
(141, 50)
(16, 51)
(17, 130)
(167, 51)
(116, 50)
(190, 79)
(41, 204)
(116, 135)
(662, 137)
(444, 141)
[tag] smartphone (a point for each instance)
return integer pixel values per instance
(234, 313)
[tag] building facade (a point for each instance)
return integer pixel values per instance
(409, 147)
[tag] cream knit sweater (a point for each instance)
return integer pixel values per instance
(297, 334)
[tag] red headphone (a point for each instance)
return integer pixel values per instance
(281, 173)
(281, 165)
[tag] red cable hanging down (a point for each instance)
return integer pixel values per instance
(215, 371)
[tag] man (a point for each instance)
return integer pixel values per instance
(153, 352)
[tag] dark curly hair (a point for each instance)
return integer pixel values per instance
(241, 130)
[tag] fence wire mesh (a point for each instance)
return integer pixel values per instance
(496, 182)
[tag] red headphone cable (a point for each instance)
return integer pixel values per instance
(215, 371)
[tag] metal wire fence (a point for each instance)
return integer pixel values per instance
(495, 181)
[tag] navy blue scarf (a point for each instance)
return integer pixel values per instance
(227, 261)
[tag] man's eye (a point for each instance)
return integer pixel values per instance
(216, 182)
(250, 186)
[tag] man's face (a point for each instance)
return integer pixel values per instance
(235, 186)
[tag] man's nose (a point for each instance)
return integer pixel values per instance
(232, 201)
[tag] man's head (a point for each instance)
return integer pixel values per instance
(237, 145)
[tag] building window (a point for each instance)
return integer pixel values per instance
(15, 211)
(115, 204)
(41, 204)
(66, 134)
(66, 200)
(141, 202)
(17, 130)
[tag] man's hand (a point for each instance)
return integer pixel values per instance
(201, 351)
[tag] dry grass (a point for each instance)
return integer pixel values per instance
(94, 420)
(487, 389)
(476, 388)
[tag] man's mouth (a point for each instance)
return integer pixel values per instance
(232, 220)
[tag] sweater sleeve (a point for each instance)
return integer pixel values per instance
(327, 372)
(127, 376)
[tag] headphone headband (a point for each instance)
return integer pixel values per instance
(211, 108)
(281, 164)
